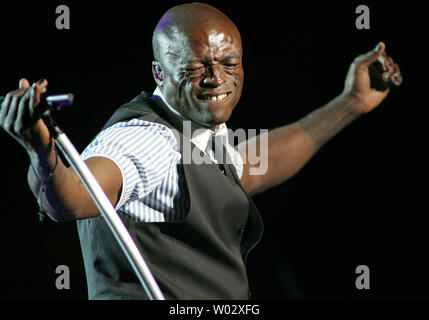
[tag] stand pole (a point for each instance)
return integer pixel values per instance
(106, 209)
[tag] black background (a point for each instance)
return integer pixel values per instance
(362, 200)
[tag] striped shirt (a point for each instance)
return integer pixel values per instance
(147, 154)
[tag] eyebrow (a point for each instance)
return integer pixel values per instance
(232, 56)
(229, 57)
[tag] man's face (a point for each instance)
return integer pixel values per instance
(203, 73)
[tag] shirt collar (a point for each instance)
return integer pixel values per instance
(200, 137)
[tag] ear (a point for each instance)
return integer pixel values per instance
(157, 73)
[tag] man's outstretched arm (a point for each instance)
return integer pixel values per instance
(291, 146)
(63, 196)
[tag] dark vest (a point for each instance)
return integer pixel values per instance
(202, 256)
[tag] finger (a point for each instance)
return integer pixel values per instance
(41, 85)
(24, 84)
(34, 98)
(389, 64)
(397, 70)
(386, 76)
(396, 80)
(371, 56)
(21, 116)
(39, 88)
(396, 77)
(4, 108)
(15, 92)
(6, 105)
(10, 117)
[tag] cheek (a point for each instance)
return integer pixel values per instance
(187, 103)
(182, 87)
(236, 76)
(186, 82)
(238, 80)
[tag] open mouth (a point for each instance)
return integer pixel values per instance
(211, 97)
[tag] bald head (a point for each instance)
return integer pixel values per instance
(198, 51)
(179, 23)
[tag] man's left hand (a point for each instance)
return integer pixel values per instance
(358, 82)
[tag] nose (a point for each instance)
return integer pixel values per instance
(214, 77)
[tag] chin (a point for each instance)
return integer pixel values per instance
(220, 114)
(210, 114)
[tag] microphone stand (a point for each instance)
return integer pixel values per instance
(104, 205)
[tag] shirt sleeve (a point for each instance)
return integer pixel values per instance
(142, 150)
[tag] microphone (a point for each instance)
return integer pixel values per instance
(60, 100)
(56, 102)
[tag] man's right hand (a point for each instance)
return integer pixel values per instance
(64, 197)
(17, 115)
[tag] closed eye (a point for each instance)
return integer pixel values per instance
(230, 65)
(194, 68)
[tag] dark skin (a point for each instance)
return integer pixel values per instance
(197, 57)
(199, 70)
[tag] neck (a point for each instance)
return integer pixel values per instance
(214, 128)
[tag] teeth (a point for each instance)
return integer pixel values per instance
(219, 97)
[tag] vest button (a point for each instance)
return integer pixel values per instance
(241, 230)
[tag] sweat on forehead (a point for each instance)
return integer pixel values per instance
(181, 22)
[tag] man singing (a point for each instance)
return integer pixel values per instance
(194, 222)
